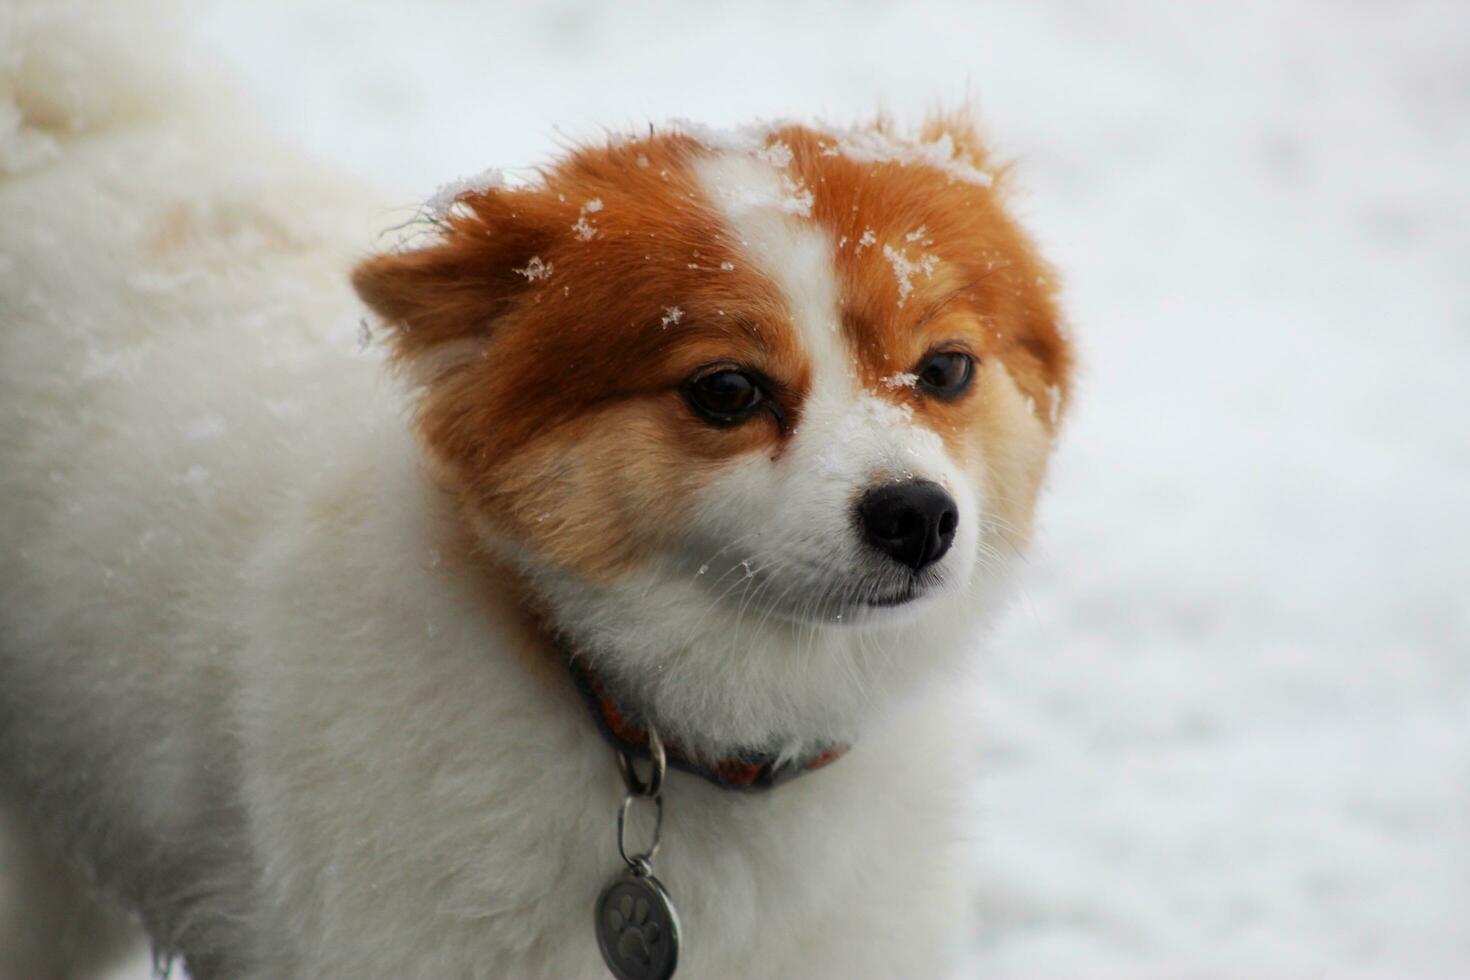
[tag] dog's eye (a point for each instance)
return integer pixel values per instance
(724, 397)
(947, 373)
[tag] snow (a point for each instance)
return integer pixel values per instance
(778, 154)
(205, 428)
(1227, 723)
(905, 268)
(447, 194)
(536, 269)
(858, 143)
(798, 198)
(866, 146)
(584, 229)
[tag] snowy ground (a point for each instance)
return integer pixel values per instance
(1229, 722)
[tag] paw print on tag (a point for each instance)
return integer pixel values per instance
(637, 936)
(637, 929)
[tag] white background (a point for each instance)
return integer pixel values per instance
(1229, 718)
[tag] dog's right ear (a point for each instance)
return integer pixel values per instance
(487, 251)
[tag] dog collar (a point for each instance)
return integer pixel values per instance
(747, 770)
(635, 903)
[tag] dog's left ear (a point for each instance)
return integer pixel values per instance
(455, 289)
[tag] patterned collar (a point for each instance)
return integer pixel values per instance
(747, 770)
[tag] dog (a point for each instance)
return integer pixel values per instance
(345, 598)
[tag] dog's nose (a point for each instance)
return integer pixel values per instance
(912, 522)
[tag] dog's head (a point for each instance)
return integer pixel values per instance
(757, 416)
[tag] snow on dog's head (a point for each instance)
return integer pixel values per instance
(757, 415)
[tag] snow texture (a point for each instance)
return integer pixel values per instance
(448, 194)
(1229, 718)
(857, 143)
(584, 229)
(867, 146)
(536, 269)
(905, 268)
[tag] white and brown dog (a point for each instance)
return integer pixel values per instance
(313, 667)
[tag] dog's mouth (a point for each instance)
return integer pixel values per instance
(871, 598)
(907, 594)
(891, 598)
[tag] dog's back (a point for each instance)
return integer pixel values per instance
(135, 286)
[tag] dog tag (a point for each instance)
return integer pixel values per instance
(637, 928)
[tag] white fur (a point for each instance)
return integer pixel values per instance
(250, 681)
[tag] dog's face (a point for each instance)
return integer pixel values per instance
(757, 417)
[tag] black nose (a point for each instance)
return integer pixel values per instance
(913, 522)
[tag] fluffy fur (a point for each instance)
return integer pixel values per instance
(275, 667)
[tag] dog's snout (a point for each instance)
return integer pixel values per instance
(912, 522)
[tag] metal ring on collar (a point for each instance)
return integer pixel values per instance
(655, 781)
(640, 863)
